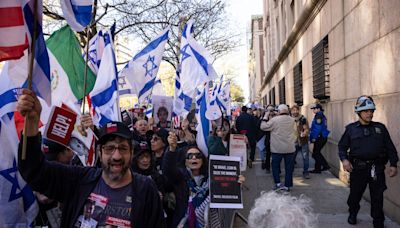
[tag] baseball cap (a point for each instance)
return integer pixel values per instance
(51, 149)
(314, 106)
(114, 128)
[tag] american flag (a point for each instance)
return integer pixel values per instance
(12, 30)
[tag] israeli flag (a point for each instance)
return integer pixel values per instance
(105, 92)
(96, 47)
(204, 125)
(142, 70)
(41, 82)
(196, 68)
(77, 13)
(213, 110)
(18, 206)
(181, 103)
(224, 98)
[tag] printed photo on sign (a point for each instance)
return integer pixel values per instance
(225, 190)
(237, 148)
(162, 106)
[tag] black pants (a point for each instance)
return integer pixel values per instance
(252, 144)
(359, 178)
(318, 157)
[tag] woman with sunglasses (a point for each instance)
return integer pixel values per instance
(193, 182)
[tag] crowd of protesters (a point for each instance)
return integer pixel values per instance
(147, 176)
(156, 175)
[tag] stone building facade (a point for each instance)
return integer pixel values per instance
(335, 51)
(256, 57)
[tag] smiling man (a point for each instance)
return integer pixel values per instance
(111, 195)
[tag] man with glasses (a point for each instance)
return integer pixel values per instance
(120, 197)
(370, 149)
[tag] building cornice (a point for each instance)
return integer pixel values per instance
(311, 9)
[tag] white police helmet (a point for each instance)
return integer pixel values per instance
(364, 103)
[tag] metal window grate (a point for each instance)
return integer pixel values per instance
(272, 96)
(320, 66)
(298, 83)
(282, 92)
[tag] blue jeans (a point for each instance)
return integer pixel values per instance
(305, 153)
(262, 154)
(289, 165)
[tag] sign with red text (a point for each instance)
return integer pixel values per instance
(238, 148)
(60, 126)
(225, 190)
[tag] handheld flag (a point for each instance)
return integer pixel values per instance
(196, 68)
(141, 71)
(67, 67)
(18, 206)
(77, 13)
(12, 29)
(204, 125)
(104, 95)
(41, 67)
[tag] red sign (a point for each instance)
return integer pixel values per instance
(61, 125)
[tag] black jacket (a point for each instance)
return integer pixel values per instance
(248, 123)
(72, 185)
(367, 142)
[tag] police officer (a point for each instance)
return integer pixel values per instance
(370, 148)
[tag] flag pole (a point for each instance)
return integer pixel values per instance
(30, 72)
(86, 68)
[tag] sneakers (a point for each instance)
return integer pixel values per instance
(352, 219)
(306, 175)
(281, 187)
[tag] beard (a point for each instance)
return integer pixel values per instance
(115, 176)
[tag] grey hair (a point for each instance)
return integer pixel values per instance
(282, 211)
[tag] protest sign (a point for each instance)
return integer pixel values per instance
(162, 106)
(61, 125)
(237, 148)
(225, 190)
(126, 119)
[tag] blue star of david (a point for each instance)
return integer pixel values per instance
(16, 191)
(150, 66)
(122, 81)
(185, 55)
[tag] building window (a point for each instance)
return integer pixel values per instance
(272, 96)
(298, 84)
(282, 95)
(320, 67)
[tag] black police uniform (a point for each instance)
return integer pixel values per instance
(370, 149)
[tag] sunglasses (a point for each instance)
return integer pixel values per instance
(194, 156)
(155, 138)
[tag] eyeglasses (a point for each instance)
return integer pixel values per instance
(110, 149)
(194, 156)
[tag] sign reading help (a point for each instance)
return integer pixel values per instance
(61, 125)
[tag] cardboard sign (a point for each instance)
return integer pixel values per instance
(238, 148)
(162, 106)
(225, 190)
(60, 126)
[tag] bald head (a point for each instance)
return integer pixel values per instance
(141, 126)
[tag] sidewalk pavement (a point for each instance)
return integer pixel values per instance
(327, 193)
